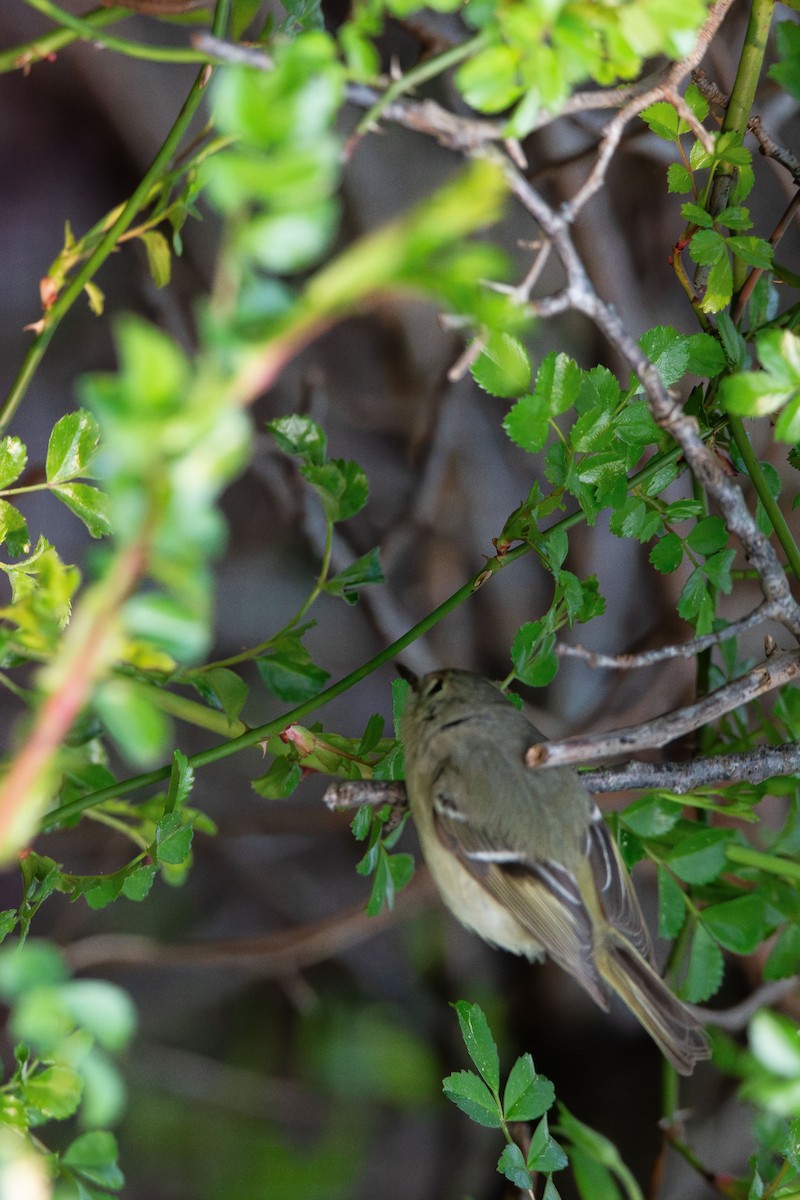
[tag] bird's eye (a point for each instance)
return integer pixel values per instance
(435, 685)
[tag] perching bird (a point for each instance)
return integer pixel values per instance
(523, 856)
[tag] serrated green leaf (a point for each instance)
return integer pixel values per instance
(288, 671)
(706, 356)
(679, 178)
(545, 1154)
(668, 351)
(527, 1096)
(671, 905)
(503, 367)
(138, 882)
(667, 554)
(173, 841)
(280, 780)
(479, 1041)
(696, 215)
(533, 654)
(662, 119)
(140, 729)
(88, 503)
(705, 970)
(511, 1164)
(365, 570)
(341, 486)
(700, 857)
(72, 443)
(472, 1096)
(719, 286)
(752, 250)
(301, 436)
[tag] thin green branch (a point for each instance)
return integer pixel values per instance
(90, 31)
(20, 58)
(127, 215)
(746, 857)
(772, 509)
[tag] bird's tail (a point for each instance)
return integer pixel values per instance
(669, 1022)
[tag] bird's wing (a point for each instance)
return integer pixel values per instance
(614, 887)
(542, 895)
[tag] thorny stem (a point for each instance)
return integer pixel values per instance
(90, 31)
(22, 57)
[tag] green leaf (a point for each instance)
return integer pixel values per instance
(173, 839)
(694, 602)
(679, 178)
(594, 1158)
(545, 1154)
(224, 689)
(719, 286)
(341, 486)
(13, 457)
(301, 436)
(169, 624)
(102, 1008)
(490, 81)
(139, 728)
(528, 423)
(159, 257)
(280, 780)
(787, 71)
(784, 957)
(72, 444)
(138, 882)
(700, 857)
(705, 970)
(651, 816)
(288, 671)
(662, 119)
(717, 569)
(181, 782)
(708, 536)
(752, 250)
(706, 356)
(503, 367)
(511, 1163)
(533, 654)
(667, 553)
(54, 1092)
(13, 530)
(696, 215)
(527, 1095)
(473, 1097)
(88, 503)
(365, 570)
(671, 905)
(94, 1156)
(371, 735)
(739, 924)
(667, 350)
(479, 1041)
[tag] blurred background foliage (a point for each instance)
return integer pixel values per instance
(287, 1044)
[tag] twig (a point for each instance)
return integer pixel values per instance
(772, 149)
(344, 794)
(767, 676)
(269, 955)
(754, 766)
(666, 89)
(648, 658)
(739, 1015)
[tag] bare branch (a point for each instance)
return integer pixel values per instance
(752, 766)
(739, 1015)
(648, 658)
(344, 794)
(767, 676)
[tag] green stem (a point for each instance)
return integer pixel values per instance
(89, 31)
(107, 244)
(20, 57)
(772, 863)
(779, 523)
(194, 713)
(428, 69)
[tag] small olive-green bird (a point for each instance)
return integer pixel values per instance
(523, 856)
